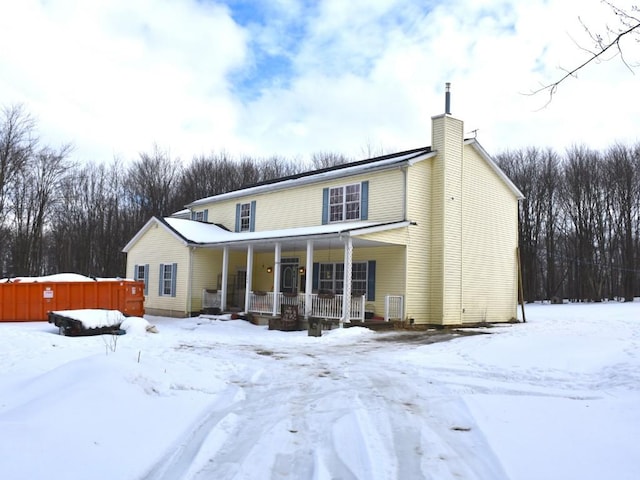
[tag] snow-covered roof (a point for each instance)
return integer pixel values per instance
(184, 213)
(193, 232)
(314, 176)
(201, 233)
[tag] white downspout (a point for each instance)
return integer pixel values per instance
(405, 196)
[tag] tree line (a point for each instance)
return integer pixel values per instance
(579, 224)
(57, 215)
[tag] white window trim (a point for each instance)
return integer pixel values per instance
(344, 203)
(246, 217)
(166, 266)
(335, 281)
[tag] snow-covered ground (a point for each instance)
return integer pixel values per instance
(555, 398)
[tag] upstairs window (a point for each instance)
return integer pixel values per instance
(245, 217)
(200, 216)
(345, 203)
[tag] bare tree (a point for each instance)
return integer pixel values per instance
(151, 183)
(92, 213)
(623, 174)
(321, 160)
(33, 197)
(17, 144)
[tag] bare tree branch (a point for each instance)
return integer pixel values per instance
(630, 24)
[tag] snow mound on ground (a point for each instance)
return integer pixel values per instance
(348, 333)
(137, 326)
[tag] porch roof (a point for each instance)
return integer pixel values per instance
(209, 235)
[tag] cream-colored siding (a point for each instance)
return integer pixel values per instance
(301, 206)
(447, 219)
(419, 297)
(489, 244)
(390, 272)
(397, 236)
(206, 265)
(158, 246)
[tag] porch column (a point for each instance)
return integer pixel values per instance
(346, 297)
(276, 277)
(225, 278)
(247, 292)
(308, 285)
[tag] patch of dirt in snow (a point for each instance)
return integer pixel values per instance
(425, 337)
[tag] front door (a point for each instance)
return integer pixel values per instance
(289, 277)
(240, 288)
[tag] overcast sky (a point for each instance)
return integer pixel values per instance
(293, 77)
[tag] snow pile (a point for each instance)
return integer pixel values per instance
(555, 398)
(58, 277)
(94, 318)
(138, 326)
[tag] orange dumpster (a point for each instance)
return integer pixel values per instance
(27, 300)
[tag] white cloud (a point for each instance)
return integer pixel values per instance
(114, 77)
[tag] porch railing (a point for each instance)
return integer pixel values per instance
(393, 307)
(322, 306)
(211, 298)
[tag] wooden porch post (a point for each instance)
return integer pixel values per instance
(225, 278)
(346, 293)
(308, 287)
(276, 277)
(247, 293)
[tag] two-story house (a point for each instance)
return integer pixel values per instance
(427, 235)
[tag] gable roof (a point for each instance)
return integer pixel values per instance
(313, 176)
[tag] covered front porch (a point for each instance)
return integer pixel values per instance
(339, 278)
(324, 306)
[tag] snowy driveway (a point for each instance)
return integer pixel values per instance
(558, 397)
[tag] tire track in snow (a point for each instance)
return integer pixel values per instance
(177, 462)
(284, 429)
